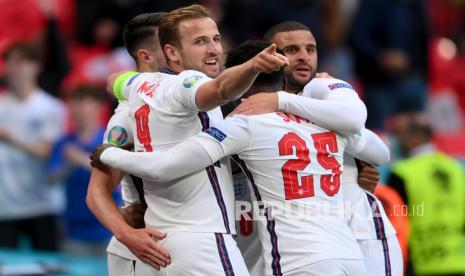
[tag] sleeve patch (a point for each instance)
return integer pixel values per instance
(339, 85)
(117, 136)
(216, 133)
(190, 81)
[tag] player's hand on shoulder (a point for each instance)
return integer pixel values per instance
(95, 156)
(143, 243)
(324, 75)
(260, 103)
(268, 60)
(368, 177)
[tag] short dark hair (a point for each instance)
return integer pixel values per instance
(169, 27)
(141, 29)
(87, 92)
(248, 50)
(287, 26)
(27, 51)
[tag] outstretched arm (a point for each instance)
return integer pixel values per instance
(236, 80)
(367, 146)
(196, 153)
(328, 102)
(158, 166)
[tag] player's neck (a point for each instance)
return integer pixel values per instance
(175, 67)
(293, 90)
(23, 92)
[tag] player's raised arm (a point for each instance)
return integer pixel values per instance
(367, 146)
(226, 138)
(328, 102)
(234, 81)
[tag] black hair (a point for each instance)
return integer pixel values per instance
(287, 26)
(141, 29)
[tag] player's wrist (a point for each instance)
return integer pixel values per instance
(109, 155)
(282, 100)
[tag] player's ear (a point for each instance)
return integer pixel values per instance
(144, 56)
(172, 53)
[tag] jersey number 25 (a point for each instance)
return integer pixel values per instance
(324, 143)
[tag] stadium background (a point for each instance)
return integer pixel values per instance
(81, 42)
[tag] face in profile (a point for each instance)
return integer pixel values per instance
(300, 48)
(200, 46)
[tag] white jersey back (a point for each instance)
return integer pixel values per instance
(163, 110)
(294, 167)
(363, 208)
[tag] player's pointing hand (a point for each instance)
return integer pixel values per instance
(268, 60)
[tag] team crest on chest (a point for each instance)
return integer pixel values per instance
(240, 187)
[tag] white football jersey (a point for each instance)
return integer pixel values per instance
(363, 208)
(294, 167)
(164, 113)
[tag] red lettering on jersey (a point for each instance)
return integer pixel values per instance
(246, 224)
(325, 143)
(147, 89)
(292, 118)
(284, 116)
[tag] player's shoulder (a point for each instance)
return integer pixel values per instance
(190, 77)
(317, 86)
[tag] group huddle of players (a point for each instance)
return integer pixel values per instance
(272, 189)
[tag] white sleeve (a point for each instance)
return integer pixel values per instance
(119, 131)
(329, 103)
(367, 146)
(159, 166)
(230, 136)
(206, 148)
(188, 82)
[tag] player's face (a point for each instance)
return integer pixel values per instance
(200, 46)
(300, 48)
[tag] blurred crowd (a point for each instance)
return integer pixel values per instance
(402, 56)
